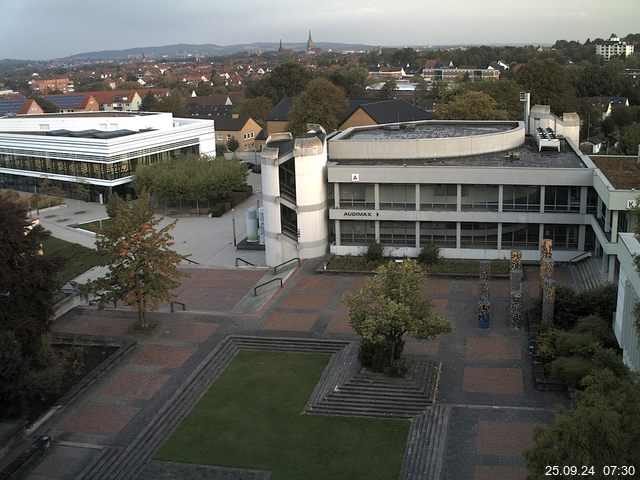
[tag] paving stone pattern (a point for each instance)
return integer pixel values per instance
(486, 405)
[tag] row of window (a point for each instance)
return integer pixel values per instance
(246, 136)
(472, 235)
(473, 197)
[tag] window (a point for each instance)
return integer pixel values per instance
(480, 197)
(562, 199)
(479, 235)
(520, 235)
(398, 196)
(438, 197)
(357, 232)
(398, 233)
(520, 198)
(229, 137)
(565, 237)
(356, 195)
(440, 234)
(220, 138)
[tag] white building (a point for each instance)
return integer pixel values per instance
(98, 149)
(613, 48)
(628, 294)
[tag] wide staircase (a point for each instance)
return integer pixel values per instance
(586, 274)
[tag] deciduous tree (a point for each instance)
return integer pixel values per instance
(471, 105)
(390, 305)
(321, 102)
(142, 267)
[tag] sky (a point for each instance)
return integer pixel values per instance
(46, 29)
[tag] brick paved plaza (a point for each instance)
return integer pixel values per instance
(486, 377)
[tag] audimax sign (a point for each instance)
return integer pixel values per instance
(366, 214)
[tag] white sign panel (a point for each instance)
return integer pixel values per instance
(355, 177)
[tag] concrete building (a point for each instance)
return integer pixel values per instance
(100, 150)
(63, 85)
(613, 48)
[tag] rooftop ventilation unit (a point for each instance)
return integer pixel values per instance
(547, 138)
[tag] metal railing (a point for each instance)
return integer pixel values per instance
(238, 259)
(189, 260)
(580, 257)
(184, 307)
(275, 269)
(255, 289)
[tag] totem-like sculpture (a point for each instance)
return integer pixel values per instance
(484, 305)
(547, 285)
(548, 300)
(515, 283)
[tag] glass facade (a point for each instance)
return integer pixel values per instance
(562, 199)
(398, 233)
(480, 197)
(520, 198)
(441, 234)
(520, 235)
(565, 237)
(398, 196)
(357, 232)
(438, 197)
(357, 195)
(479, 235)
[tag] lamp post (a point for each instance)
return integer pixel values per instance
(233, 225)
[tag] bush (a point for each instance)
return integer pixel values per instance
(599, 328)
(429, 255)
(377, 357)
(13, 372)
(44, 383)
(374, 253)
(569, 343)
(570, 370)
(256, 169)
(546, 344)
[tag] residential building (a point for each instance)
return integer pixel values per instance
(451, 74)
(73, 102)
(241, 127)
(19, 106)
(118, 100)
(613, 48)
(63, 85)
(606, 104)
(98, 149)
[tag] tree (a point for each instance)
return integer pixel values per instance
(149, 103)
(352, 79)
(173, 103)
(505, 92)
(388, 90)
(286, 80)
(631, 139)
(471, 106)
(142, 269)
(603, 429)
(549, 84)
(321, 102)
(257, 108)
(233, 144)
(27, 278)
(388, 306)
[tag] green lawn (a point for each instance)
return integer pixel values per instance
(93, 226)
(252, 418)
(76, 259)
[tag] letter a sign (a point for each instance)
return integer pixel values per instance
(355, 177)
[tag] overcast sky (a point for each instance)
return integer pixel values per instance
(46, 29)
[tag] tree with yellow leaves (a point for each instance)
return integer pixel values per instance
(143, 269)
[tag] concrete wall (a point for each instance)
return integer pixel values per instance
(628, 293)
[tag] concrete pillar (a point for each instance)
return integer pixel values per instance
(336, 227)
(583, 199)
(500, 201)
(336, 194)
(582, 234)
(612, 268)
(459, 199)
(599, 208)
(542, 195)
(417, 234)
(540, 233)
(376, 195)
(377, 230)
(499, 245)
(614, 226)
(458, 236)
(417, 197)
(607, 220)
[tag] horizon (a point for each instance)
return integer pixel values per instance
(62, 30)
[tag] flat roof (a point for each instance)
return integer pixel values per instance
(88, 114)
(410, 131)
(622, 171)
(526, 156)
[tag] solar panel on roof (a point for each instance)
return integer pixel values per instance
(66, 101)
(11, 106)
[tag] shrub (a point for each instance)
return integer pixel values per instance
(13, 370)
(546, 344)
(569, 343)
(374, 252)
(429, 255)
(598, 327)
(375, 356)
(570, 370)
(44, 383)
(256, 169)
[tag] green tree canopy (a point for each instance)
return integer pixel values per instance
(549, 84)
(257, 108)
(471, 105)
(388, 90)
(142, 267)
(321, 102)
(27, 278)
(352, 79)
(286, 80)
(505, 92)
(149, 103)
(631, 138)
(392, 304)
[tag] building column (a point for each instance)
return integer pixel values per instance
(336, 194)
(500, 201)
(599, 208)
(582, 234)
(459, 201)
(584, 191)
(607, 220)
(603, 264)
(417, 234)
(542, 195)
(336, 226)
(540, 234)
(500, 228)
(417, 197)
(377, 231)
(458, 235)
(614, 226)
(612, 268)
(376, 197)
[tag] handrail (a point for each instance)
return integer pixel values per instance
(189, 260)
(184, 307)
(275, 269)
(583, 254)
(255, 289)
(244, 261)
